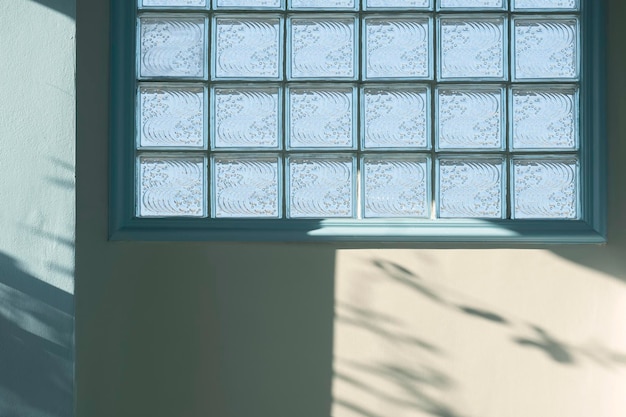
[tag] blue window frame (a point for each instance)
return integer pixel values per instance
(441, 173)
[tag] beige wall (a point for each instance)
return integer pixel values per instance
(272, 330)
(511, 333)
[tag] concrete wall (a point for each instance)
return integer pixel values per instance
(37, 208)
(240, 330)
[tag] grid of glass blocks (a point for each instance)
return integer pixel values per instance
(358, 109)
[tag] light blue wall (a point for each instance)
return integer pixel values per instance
(37, 207)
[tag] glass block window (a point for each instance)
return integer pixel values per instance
(358, 109)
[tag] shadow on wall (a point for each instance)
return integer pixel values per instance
(36, 345)
(517, 329)
(275, 331)
(385, 366)
(66, 7)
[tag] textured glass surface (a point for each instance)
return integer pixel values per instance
(247, 48)
(248, 3)
(172, 47)
(544, 119)
(171, 116)
(546, 48)
(330, 109)
(322, 48)
(471, 4)
(321, 118)
(470, 188)
(545, 189)
(171, 186)
(470, 118)
(395, 118)
(321, 187)
(246, 186)
(403, 4)
(173, 3)
(397, 48)
(246, 117)
(395, 187)
(545, 4)
(322, 4)
(472, 48)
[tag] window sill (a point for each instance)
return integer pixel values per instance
(356, 231)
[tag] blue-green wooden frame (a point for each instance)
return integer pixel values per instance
(592, 228)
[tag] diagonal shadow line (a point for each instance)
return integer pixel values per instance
(28, 284)
(66, 7)
(37, 342)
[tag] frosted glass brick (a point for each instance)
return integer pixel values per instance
(246, 117)
(321, 188)
(471, 188)
(472, 4)
(395, 118)
(545, 189)
(545, 49)
(171, 117)
(172, 47)
(470, 119)
(246, 186)
(395, 187)
(545, 4)
(472, 48)
(171, 187)
(323, 4)
(322, 48)
(260, 4)
(397, 48)
(544, 119)
(398, 4)
(173, 3)
(321, 118)
(247, 47)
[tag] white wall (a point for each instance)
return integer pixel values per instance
(37, 207)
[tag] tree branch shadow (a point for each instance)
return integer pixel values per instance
(37, 345)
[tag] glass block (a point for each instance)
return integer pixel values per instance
(321, 187)
(395, 118)
(395, 187)
(545, 189)
(397, 48)
(471, 188)
(246, 186)
(470, 119)
(171, 186)
(472, 4)
(172, 47)
(172, 3)
(321, 118)
(472, 48)
(246, 117)
(323, 4)
(171, 117)
(545, 4)
(322, 48)
(544, 118)
(545, 49)
(247, 47)
(398, 4)
(253, 4)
